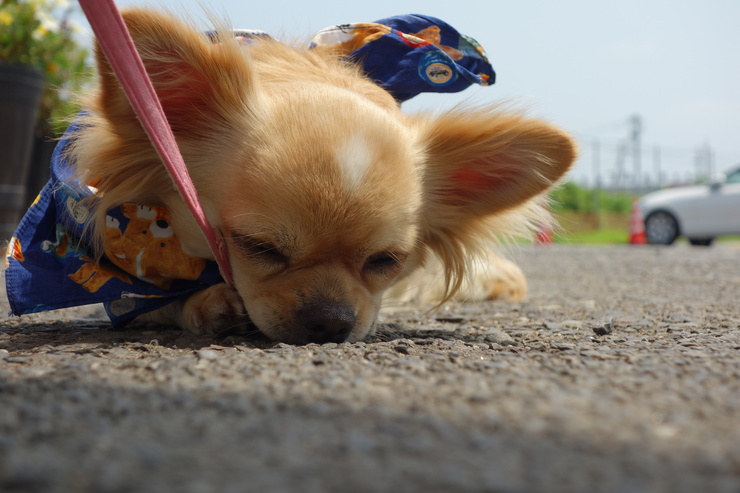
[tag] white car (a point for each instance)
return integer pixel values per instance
(700, 213)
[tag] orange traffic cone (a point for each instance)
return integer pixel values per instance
(637, 226)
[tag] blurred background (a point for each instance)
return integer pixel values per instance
(649, 88)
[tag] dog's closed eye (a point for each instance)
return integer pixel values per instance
(262, 252)
(384, 263)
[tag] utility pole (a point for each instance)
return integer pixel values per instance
(596, 155)
(596, 160)
(620, 179)
(636, 140)
(656, 167)
(710, 161)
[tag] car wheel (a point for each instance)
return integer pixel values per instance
(701, 241)
(661, 228)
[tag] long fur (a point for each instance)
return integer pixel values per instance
(464, 179)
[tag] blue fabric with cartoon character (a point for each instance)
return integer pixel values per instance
(50, 261)
(51, 264)
(411, 54)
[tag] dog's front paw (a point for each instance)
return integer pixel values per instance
(213, 310)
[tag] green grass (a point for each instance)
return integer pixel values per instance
(728, 238)
(596, 237)
(615, 237)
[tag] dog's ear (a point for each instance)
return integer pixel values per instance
(485, 162)
(195, 79)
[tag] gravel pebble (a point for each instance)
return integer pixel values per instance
(604, 327)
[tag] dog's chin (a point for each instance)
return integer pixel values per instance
(312, 329)
(300, 336)
(293, 317)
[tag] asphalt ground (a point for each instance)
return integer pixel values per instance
(621, 373)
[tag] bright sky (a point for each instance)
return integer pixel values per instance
(587, 66)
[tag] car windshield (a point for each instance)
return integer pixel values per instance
(733, 176)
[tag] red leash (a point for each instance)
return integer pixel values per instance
(119, 48)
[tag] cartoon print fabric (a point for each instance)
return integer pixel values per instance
(50, 260)
(50, 263)
(411, 54)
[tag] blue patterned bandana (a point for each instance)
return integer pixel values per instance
(410, 54)
(50, 262)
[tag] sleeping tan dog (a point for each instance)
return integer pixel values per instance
(328, 196)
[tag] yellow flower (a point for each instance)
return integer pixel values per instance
(39, 33)
(48, 22)
(5, 18)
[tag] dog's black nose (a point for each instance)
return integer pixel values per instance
(327, 322)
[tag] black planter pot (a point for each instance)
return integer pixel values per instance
(38, 169)
(20, 93)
